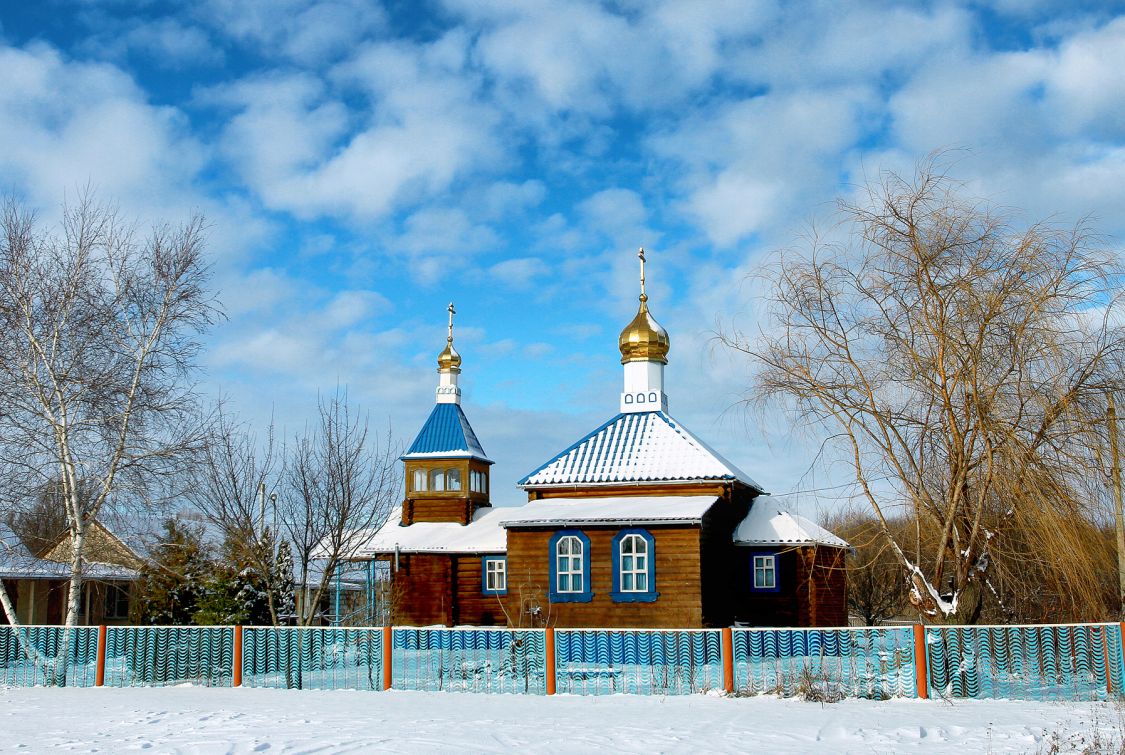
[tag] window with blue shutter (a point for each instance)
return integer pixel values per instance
(634, 567)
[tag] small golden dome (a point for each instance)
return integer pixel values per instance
(643, 339)
(449, 359)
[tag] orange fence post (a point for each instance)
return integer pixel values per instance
(920, 669)
(236, 672)
(388, 641)
(99, 676)
(728, 660)
(550, 659)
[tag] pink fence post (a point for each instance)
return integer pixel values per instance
(99, 675)
(728, 660)
(920, 669)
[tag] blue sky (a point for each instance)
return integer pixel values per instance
(361, 164)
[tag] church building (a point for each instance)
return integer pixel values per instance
(638, 524)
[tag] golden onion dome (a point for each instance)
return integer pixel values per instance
(449, 359)
(643, 339)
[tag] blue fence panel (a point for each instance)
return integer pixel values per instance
(638, 661)
(312, 657)
(34, 656)
(470, 660)
(159, 656)
(872, 662)
(1053, 662)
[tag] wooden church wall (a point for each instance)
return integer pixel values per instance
(473, 607)
(422, 587)
(823, 591)
(812, 589)
(442, 589)
(719, 561)
(677, 580)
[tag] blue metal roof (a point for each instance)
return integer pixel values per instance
(447, 432)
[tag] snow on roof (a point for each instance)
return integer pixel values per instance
(30, 567)
(446, 433)
(17, 562)
(768, 524)
(664, 509)
(637, 447)
(483, 535)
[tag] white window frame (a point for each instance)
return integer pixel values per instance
(767, 565)
(496, 575)
(421, 476)
(634, 547)
(569, 565)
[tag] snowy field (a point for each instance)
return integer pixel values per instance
(200, 720)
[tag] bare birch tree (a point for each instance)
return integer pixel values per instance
(99, 330)
(960, 363)
(341, 482)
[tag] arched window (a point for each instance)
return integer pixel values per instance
(634, 567)
(419, 479)
(437, 479)
(570, 567)
(453, 479)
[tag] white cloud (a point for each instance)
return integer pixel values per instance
(421, 129)
(349, 308)
(518, 272)
(306, 31)
(67, 124)
(164, 42)
(1087, 84)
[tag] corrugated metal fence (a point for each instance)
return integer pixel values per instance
(1049, 662)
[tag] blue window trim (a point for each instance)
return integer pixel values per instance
(651, 594)
(587, 593)
(776, 572)
(484, 575)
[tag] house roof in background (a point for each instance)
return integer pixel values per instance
(446, 433)
(637, 447)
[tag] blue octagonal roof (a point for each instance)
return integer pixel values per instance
(447, 433)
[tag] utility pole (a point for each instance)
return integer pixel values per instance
(1119, 516)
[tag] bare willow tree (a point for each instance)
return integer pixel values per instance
(100, 331)
(960, 363)
(877, 587)
(340, 483)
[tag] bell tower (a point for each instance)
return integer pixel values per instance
(446, 468)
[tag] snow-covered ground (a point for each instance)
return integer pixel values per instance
(200, 720)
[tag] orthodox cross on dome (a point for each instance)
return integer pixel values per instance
(641, 255)
(452, 312)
